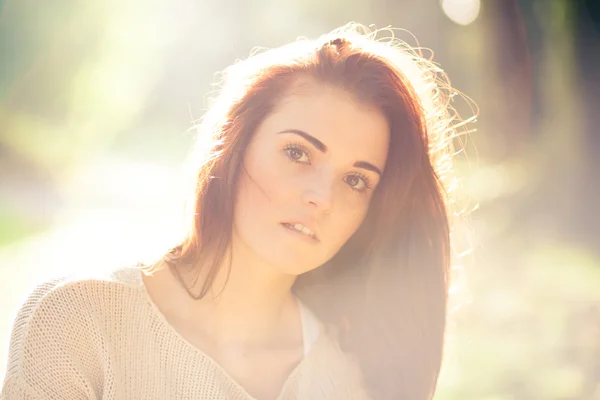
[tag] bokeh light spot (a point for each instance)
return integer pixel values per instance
(463, 12)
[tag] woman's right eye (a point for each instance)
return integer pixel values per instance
(297, 154)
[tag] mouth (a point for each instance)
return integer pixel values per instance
(301, 229)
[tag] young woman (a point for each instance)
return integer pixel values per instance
(316, 264)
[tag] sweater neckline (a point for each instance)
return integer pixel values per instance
(290, 381)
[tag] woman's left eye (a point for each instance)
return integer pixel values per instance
(357, 182)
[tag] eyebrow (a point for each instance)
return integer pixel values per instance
(322, 148)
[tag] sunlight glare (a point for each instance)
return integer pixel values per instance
(462, 12)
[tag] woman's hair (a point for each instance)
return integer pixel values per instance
(386, 289)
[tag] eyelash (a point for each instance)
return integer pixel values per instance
(305, 150)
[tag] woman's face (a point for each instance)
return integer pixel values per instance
(312, 167)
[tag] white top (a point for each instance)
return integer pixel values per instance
(310, 326)
(103, 338)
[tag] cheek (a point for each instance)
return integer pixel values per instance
(346, 222)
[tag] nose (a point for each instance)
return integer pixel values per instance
(319, 195)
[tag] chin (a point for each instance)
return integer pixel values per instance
(294, 269)
(284, 266)
(281, 254)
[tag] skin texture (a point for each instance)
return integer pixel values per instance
(251, 317)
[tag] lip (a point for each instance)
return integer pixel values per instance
(309, 226)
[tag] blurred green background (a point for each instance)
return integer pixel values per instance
(96, 99)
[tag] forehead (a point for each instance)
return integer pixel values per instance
(332, 115)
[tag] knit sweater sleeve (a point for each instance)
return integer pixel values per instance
(16, 388)
(49, 355)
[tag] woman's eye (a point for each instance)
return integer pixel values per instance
(297, 155)
(356, 182)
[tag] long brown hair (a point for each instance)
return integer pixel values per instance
(387, 287)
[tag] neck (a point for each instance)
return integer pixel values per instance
(253, 305)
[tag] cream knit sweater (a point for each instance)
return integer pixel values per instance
(102, 338)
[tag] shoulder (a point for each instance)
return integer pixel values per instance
(78, 294)
(84, 283)
(76, 290)
(65, 308)
(62, 328)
